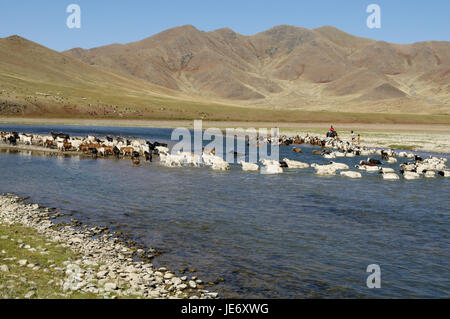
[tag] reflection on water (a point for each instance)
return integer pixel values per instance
(289, 235)
(25, 152)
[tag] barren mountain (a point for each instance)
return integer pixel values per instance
(283, 74)
(288, 67)
(35, 80)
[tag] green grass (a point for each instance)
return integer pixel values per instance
(11, 284)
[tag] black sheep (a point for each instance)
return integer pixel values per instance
(136, 154)
(148, 156)
(12, 140)
(116, 151)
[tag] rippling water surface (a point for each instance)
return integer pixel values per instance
(289, 235)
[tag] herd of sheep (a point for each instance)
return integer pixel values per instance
(98, 147)
(413, 166)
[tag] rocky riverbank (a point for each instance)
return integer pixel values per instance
(99, 265)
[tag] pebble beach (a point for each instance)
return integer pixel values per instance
(103, 266)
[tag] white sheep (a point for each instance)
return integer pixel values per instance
(271, 167)
(339, 166)
(391, 160)
(430, 174)
(410, 175)
(162, 149)
(249, 166)
(351, 174)
(295, 164)
(372, 168)
(324, 169)
(444, 173)
(390, 176)
(349, 154)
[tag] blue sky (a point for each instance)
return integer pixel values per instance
(105, 21)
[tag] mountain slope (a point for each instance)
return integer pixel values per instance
(36, 80)
(287, 67)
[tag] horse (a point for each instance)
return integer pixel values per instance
(332, 134)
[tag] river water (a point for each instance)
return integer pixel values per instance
(293, 235)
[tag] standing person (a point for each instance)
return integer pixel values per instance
(359, 139)
(353, 138)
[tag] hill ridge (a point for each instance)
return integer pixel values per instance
(185, 70)
(286, 65)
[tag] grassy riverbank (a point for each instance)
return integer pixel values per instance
(41, 259)
(32, 266)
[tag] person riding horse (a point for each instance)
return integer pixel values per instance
(332, 132)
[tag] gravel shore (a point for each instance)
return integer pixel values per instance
(105, 266)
